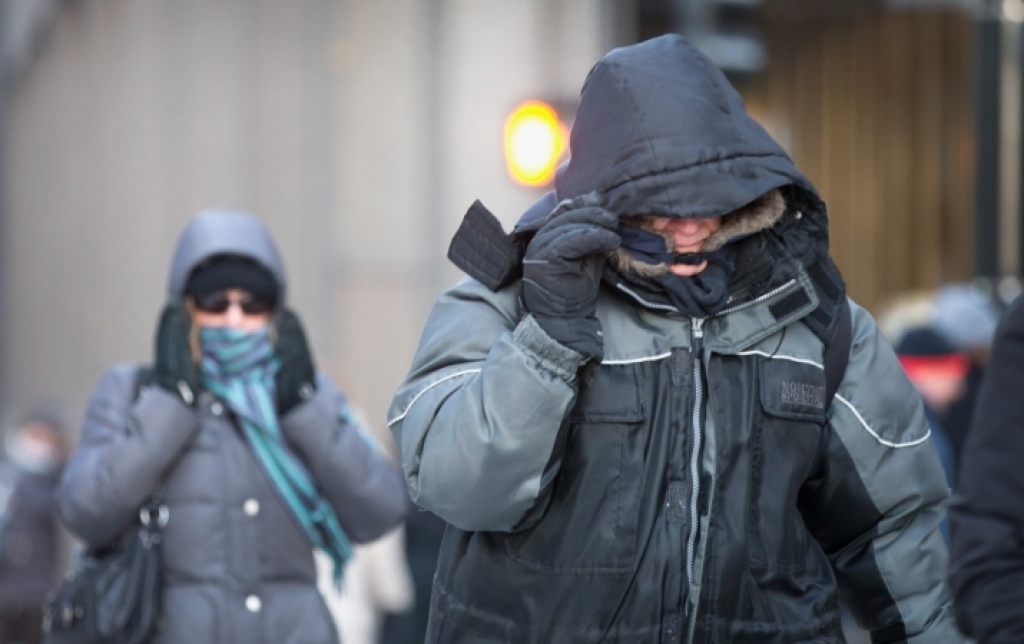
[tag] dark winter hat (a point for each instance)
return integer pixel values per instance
(231, 271)
(925, 351)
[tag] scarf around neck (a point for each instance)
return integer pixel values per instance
(700, 295)
(238, 367)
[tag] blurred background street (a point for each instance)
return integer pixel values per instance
(361, 130)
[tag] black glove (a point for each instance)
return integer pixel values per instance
(296, 379)
(173, 367)
(562, 273)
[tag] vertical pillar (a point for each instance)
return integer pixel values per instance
(1010, 152)
(433, 216)
(987, 113)
(5, 84)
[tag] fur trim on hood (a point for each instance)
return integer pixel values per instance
(756, 216)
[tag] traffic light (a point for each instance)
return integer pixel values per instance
(536, 141)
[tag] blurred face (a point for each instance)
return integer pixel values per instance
(232, 308)
(687, 236)
(940, 390)
(34, 446)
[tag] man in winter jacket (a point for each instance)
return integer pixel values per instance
(624, 413)
(986, 517)
(258, 455)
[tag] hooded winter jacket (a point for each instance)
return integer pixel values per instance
(695, 485)
(238, 567)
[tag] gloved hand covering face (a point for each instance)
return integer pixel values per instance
(562, 273)
(173, 366)
(296, 379)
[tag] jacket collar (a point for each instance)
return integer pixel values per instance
(790, 297)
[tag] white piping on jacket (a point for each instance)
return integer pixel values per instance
(405, 412)
(876, 436)
(780, 357)
(660, 356)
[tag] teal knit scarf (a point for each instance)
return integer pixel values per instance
(238, 367)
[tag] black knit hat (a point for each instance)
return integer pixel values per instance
(924, 341)
(923, 352)
(231, 271)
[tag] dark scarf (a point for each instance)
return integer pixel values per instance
(239, 368)
(700, 295)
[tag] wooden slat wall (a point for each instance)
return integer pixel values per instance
(877, 110)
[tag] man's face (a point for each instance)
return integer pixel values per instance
(687, 236)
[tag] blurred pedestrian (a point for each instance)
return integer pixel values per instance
(938, 371)
(423, 534)
(377, 581)
(967, 318)
(987, 511)
(628, 413)
(377, 585)
(256, 451)
(29, 533)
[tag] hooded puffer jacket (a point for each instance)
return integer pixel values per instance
(695, 485)
(237, 566)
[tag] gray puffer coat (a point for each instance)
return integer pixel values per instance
(238, 567)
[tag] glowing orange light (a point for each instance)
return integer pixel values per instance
(535, 140)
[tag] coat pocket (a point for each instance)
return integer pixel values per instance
(784, 445)
(590, 524)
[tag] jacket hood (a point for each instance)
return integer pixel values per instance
(660, 131)
(224, 232)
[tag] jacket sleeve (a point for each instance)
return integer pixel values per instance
(359, 481)
(987, 513)
(876, 503)
(124, 451)
(477, 417)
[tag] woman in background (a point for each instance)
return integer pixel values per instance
(258, 454)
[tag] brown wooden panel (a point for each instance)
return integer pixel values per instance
(878, 113)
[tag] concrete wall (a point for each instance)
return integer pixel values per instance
(359, 130)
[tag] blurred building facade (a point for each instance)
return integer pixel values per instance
(361, 130)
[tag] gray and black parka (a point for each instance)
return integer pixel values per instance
(238, 568)
(695, 485)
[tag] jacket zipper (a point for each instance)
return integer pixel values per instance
(697, 331)
(757, 300)
(697, 337)
(643, 302)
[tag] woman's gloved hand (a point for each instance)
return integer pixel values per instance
(173, 367)
(562, 273)
(296, 379)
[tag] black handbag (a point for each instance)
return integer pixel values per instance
(112, 596)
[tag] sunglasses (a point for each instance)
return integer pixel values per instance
(219, 302)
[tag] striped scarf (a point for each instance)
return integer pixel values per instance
(238, 367)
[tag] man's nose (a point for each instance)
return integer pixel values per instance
(688, 226)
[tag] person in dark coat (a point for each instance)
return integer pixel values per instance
(987, 511)
(623, 412)
(938, 371)
(260, 456)
(29, 536)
